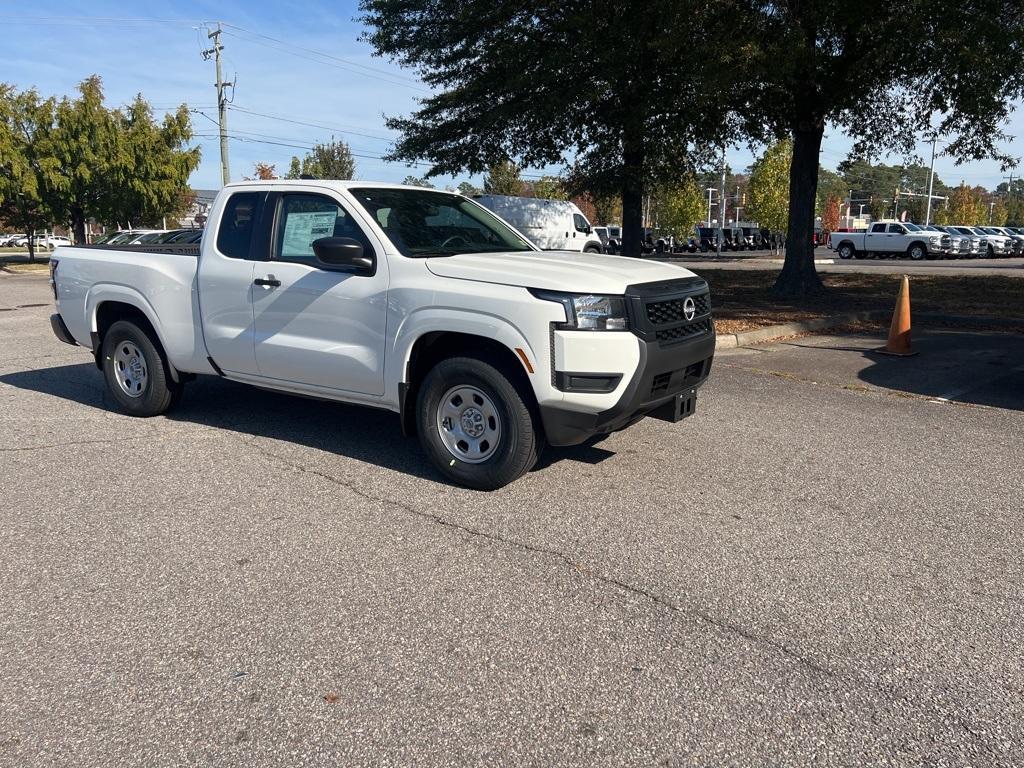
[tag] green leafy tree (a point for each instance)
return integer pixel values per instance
(550, 188)
(769, 187)
(503, 179)
(1015, 212)
(966, 206)
(607, 209)
(678, 207)
(332, 160)
(830, 184)
(998, 214)
(878, 74)
(28, 171)
(509, 80)
(417, 181)
(467, 189)
(117, 165)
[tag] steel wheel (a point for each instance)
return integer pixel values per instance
(917, 252)
(468, 424)
(130, 369)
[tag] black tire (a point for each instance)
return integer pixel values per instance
(520, 439)
(917, 251)
(159, 393)
(846, 251)
(591, 249)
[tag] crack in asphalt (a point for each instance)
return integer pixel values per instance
(724, 626)
(72, 443)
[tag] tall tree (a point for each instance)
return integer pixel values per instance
(503, 179)
(541, 82)
(467, 189)
(417, 181)
(332, 160)
(769, 187)
(879, 74)
(28, 170)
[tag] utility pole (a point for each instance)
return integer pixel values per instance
(931, 182)
(222, 103)
(721, 206)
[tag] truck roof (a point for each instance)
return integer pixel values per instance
(326, 184)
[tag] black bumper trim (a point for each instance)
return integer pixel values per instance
(599, 383)
(662, 373)
(60, 330)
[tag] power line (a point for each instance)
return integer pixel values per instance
(330, 61)
(332, 57)
(282, 119)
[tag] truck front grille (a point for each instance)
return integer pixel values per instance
(673, 310)
(686, 331)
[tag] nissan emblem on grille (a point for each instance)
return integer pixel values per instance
(689, 308)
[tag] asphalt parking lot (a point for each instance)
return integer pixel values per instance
(822, 566)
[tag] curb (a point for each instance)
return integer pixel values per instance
(745, 338)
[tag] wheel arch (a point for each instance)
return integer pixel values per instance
(434, 346)
(109, 311)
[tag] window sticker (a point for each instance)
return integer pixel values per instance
(301, 229)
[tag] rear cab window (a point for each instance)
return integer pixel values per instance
(237, 224)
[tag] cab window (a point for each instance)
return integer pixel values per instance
(878, 227)
(896, 229)
(304, 219)
(234, 236)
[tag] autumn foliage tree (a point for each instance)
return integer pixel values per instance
(769, 187)
(830, 216)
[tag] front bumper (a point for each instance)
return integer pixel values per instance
(675, 357)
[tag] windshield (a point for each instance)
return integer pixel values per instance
(422, 223)
(911, 227)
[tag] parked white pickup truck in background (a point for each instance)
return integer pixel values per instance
(414, 300)
(891, 238)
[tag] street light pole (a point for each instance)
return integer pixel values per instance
(721, 207)
(931, 182)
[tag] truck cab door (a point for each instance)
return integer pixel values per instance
(875, 239)
(317, 325)
(225, 282)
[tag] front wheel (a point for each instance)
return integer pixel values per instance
(917, 252)
(135, 372)
(475, 425)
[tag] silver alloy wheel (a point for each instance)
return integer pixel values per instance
(468, 424)
(845, 252)
(130, 369)
(917, 252)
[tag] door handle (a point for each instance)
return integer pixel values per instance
(271, 282)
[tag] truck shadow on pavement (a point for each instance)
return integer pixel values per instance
(365, 434)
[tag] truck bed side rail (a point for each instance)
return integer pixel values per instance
(187, 249)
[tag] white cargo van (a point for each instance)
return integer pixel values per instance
(551, 225)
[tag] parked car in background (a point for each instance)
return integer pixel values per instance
(551, 225)
(1014, 242)
(959, 244)
(9, 240)
(998, 245)
(707, 239)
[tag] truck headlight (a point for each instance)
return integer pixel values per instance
(589, 312)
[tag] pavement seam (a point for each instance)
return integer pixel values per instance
(723, 626)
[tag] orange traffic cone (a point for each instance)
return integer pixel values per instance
(899, 330)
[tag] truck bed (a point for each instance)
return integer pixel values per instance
(159, 278)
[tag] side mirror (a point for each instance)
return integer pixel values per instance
(344, 253)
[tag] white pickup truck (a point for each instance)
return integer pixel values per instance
(418, 301)
(897, 238)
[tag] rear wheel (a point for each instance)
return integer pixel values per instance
(846, 251)
(475, 425)
(135, 372)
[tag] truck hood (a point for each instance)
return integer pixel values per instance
(556, 270)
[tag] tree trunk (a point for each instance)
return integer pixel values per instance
(798, 277)
(632, 202)
(78, 224)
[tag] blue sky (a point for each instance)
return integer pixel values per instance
(54, 45)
